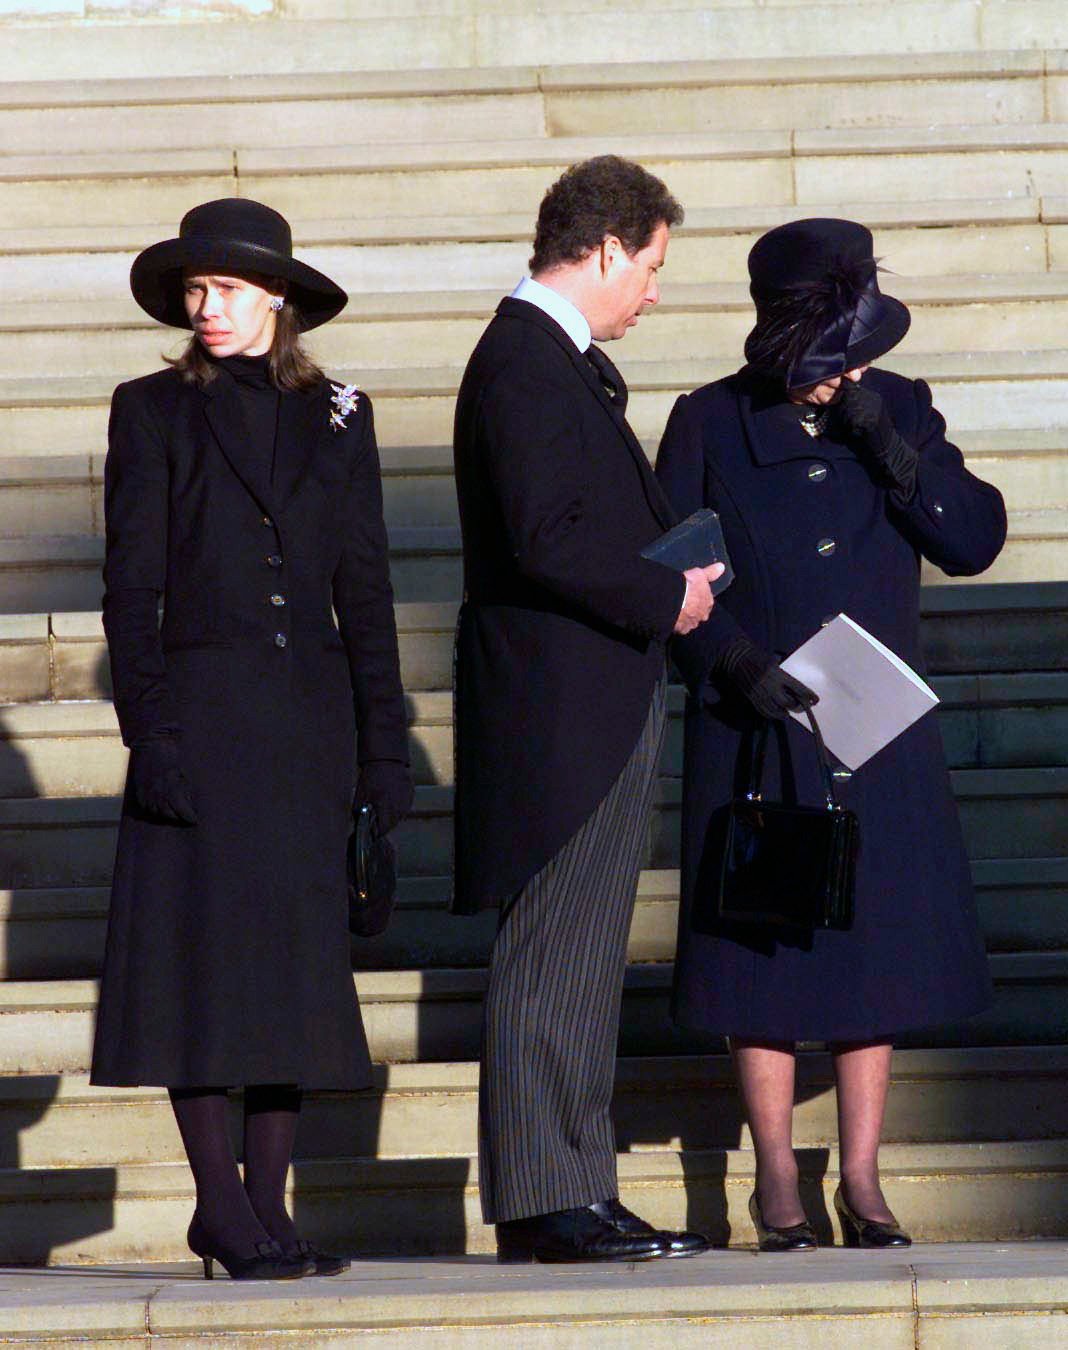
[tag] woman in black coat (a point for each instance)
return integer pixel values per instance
(243, 487)
(832, 482)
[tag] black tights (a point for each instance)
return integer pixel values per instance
(238, 1216)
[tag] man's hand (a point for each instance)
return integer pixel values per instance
(697, 603)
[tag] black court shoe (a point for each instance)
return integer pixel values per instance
(573, 1235)
(797, 1237)
(678, 1244)
(267, 1262)
(858, 1232)
(315, 1261)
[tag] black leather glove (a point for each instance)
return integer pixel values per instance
(759, 678)
(157, 783)
(386, 784)
(863, 415)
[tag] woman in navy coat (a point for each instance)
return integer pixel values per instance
(832, 482)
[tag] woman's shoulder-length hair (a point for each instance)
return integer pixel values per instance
(288, 365)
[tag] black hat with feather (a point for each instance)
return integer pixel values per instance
(819, 308)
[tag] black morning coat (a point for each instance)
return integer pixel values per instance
(915, 956)
(228, 954)
(562, 632)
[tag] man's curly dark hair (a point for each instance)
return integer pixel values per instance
(601, 196)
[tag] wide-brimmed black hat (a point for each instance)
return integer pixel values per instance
(820, 311)
(231, 235)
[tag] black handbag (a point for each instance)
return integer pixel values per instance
(789, 866)
(372, 872)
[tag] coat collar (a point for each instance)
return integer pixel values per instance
(522, 309)
(771, 437)
(303, 420)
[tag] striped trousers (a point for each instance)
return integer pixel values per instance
(551, 1012)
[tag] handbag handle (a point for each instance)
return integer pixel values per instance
(760, 745)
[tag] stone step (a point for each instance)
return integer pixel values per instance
(961, 635)
(435, 1014)
(43, 572)
(430, 1110)
(70, 841)
(491, 36)
(51, 572)
(68, 749)
(460, 10)
(57, 934)
(943, 1192)
(951, 314)
(315, 108)
(64, 571)
(63, 494)
(63, 656)
(388, 253)
(333, 109)
(953, 1296)
(1020, 390)
(1023, 906)
(982, 627)
(703, 169)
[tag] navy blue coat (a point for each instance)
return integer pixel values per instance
(915, 955)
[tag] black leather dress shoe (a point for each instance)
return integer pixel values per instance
(678, 1244)
(797, 1237)
(573, 1235)
(861, 1232)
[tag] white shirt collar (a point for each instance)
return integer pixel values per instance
(568, 316)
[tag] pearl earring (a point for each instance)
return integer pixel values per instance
(276, 303)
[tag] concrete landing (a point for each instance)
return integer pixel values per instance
(939, 1297)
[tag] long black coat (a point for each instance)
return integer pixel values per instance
(227, 954)
(562, 633)
(914, 956)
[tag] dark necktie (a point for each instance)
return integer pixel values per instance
(611, 380)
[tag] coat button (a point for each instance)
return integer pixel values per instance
(268, 522)
(278, 599)
(274, 560)
(817, 472)
(280, 639)
(938, 508)
(826, 547)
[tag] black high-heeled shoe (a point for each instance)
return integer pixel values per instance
(860, 1232)
(268, 1263)
(797, 1237)
(315, 1261)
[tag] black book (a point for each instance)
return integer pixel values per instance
(695, 542)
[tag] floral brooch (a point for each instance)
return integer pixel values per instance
(344, 398)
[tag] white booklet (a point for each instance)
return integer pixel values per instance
(868, 696)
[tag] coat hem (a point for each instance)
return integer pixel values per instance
(718, 1027)
(154, 1079)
